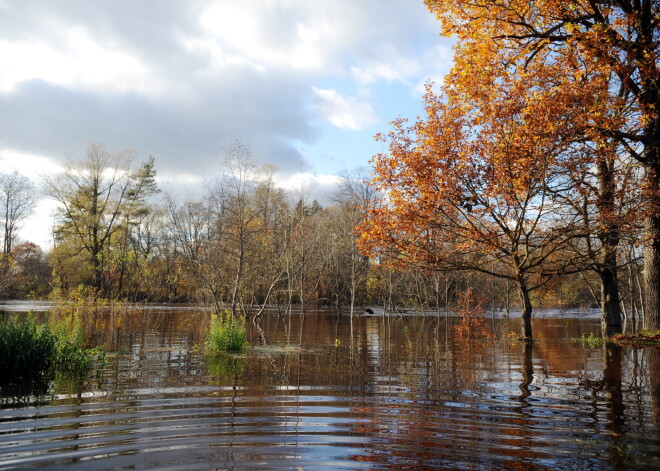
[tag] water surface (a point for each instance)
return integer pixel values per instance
(317, 392)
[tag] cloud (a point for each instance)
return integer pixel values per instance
(347, 113)
(180, 80)
(82, 62)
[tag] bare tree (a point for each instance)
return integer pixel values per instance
(18, 200)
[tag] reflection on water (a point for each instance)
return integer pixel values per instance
(318, 392)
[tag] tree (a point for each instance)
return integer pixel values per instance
(354, 198)
(33, 274)
(237, 225)
(568, 43)
(18, 199)
(603, 192)
(466, 188)
(96, 196)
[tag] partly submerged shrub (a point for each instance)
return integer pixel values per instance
(25, 349)
(226, 333)
(592, 341)
(29, 349)
(471, 322)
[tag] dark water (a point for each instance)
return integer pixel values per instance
(317, 392)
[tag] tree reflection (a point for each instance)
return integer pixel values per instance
(653, 355)
(527, 372)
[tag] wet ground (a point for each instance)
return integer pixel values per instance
(317, 392)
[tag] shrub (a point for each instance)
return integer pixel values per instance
(592, 341)
(28, 349)
(226, 333)
(471, 323)
(25, 349)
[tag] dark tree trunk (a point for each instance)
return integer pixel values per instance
(652, 221)
(525, 307)
(652, 272)
(610, 305)
(609, 237)
(527, 371)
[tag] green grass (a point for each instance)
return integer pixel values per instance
(28, 349)
(592, 341)
(226, 334)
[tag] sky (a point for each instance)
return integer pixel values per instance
(304, 84)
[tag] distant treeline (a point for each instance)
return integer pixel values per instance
(243, 244)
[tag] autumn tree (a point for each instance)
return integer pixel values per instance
(601, 192)
(237, 225)
(566, 43)
(466, 188)
(95, 196)
(33, 273)
(191, 237)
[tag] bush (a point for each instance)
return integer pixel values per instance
(25, 349)
(28, 349)
(471, 322)
(226, 333)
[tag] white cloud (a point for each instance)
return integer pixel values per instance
(320, 187)
(37, 227)
(306, 180)
(346, 113)
(273, 73)
(31, 165)
(390, 66)
(261, 34)
(81, 61)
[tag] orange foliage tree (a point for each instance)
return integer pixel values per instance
(468, 187)
(568, 43)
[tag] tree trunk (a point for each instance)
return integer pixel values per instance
(610, 305)
(97, 267)
(237, 279)
(652, 271)
(527, 371)
(525, 307)
(652, 225)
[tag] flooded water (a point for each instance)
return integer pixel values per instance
(316, 392)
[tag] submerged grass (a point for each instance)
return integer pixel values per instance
(26, 349)
(29, 349)
(591, 341)
(226, 334)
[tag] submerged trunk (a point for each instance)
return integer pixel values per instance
(525, 307)
(652, 228)
(652, 272)
(610, 305)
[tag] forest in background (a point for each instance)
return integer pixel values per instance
(242, 245)
(536, 164)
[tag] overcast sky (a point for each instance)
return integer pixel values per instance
(306, 84)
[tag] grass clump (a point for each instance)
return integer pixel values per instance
(226, 333)
(71, 355)
(28, 349)
(592, 341)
